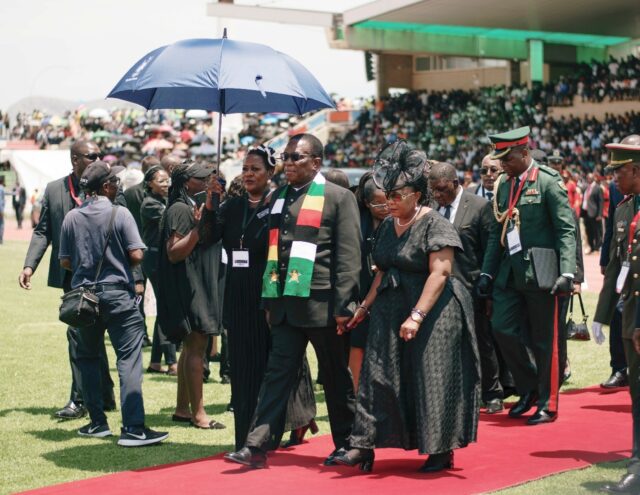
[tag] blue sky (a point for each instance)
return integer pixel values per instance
(79, 49)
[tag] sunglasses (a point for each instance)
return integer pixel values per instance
(295, 156)
(91, 156)
(396, 197)
(485, 171)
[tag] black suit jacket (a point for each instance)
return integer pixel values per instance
(56, 203)
(595, 202)
(473, 221)
(336, 271)
(134, 197)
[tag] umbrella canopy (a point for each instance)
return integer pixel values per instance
(247, 140)
(157, 144)
(221, 75)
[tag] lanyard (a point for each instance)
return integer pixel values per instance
(632, 230)
(513, 200)
(72, 190)
(246, 222)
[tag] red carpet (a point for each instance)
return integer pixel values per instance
(507, 453)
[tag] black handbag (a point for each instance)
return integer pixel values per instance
(80, 307)
(545, 266)
(577, 331)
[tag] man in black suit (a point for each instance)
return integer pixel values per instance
(489, 171)
(60, 197)
(472, 217)
(321, 316)
(591, 212)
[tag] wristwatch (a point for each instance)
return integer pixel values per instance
(417, 315)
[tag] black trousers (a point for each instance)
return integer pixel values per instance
(106, 383)
(633, 359)
(288, 346)
(616, 348)
(489, 363)
(593, 229)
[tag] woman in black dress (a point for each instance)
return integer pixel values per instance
(156, 182)
(188, 296)
(373, 210)
(420, 378)
(241, 223)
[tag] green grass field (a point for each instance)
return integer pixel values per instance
(39, 450)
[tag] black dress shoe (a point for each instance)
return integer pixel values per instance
(71, 411)
(541, 416)
(616, 380)
(494, 406)
(254, 458)
(524, 404)
(630, 483)
(438, 462)
(109, 407)
(354, 457)
(331, 458)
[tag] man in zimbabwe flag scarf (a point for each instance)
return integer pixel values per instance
(310, 289)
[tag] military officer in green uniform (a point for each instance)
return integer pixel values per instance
(622, 282)
(532, 211)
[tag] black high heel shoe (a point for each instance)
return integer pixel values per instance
(364, 457)
(438, 462)
(297, 435)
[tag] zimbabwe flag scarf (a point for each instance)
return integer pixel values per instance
(303, 248)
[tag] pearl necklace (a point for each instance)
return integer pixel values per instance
(418, 210)
(254, 201)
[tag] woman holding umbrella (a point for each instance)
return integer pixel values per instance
(241, 223)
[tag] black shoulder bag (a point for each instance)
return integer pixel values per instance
(577, 331)
(81, 307)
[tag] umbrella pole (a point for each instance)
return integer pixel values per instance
(219, 140)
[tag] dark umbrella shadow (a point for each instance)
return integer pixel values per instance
(618, 408)
(35, 411)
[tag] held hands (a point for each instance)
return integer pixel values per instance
(24, 279)
(341, 324)
(563, 285)
(139, 288)
(197, 211)
(360, 314)
(483, 286)
(598, 333)
(409, 329)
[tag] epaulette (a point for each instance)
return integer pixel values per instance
(625, 199)
(548, 170)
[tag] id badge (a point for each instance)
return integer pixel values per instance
(513, 240)
(240, 258)
(622, 276)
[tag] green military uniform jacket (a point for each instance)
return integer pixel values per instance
(546, 221)
(608, 298)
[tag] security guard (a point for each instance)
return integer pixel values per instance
(622, 281)
(532, 211)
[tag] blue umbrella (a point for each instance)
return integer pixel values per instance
(221, 75)
(247, 140)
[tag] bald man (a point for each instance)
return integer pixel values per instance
(60, 197)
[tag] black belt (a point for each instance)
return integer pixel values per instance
(106, 287)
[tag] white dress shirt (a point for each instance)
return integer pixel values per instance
(454, 206)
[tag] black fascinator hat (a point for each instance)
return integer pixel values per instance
(398, 165)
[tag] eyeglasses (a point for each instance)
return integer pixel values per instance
(381, 206)
(485, 171)
(295, 156)
(91, 156)
(396, 196)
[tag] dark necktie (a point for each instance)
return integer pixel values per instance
(447, 212)
(517, 184)
(489, 195)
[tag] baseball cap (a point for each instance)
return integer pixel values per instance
(97, 173)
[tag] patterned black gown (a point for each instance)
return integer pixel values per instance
(425, 393)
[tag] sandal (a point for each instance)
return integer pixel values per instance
(213, 425)
(153, 370)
